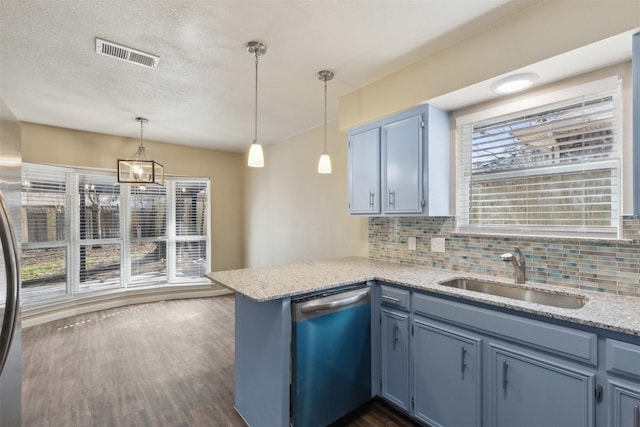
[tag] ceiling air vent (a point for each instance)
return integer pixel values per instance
(127, 54)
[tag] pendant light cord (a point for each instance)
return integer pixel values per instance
(325, 117)
(255, 136)
(141, 126)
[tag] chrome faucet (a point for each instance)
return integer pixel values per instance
(517, 260)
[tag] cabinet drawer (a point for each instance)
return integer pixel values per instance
(560, 340)
(623, 358)
(394, 297)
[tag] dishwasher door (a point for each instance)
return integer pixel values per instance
(331, 356)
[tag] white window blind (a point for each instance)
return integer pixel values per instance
(99, 226)
(44, 200)
(552, 169)
(45, 231)
(148, 248)
(191, 203)
(99, 197)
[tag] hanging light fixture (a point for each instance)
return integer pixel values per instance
(140, 170)
(256, 156)
(324, 164)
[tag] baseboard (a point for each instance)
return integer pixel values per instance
(36, 315)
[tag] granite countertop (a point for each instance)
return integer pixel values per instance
(602, 310)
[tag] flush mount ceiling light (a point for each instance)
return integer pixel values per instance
(140, 170)
(324, 165)
(256, 156)
(514, 83)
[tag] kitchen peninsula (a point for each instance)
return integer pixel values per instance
(263, 318)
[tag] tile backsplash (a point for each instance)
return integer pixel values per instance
(606, 266)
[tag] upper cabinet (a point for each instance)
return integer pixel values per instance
(399, 166)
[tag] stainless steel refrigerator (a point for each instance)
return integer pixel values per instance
(10, 225)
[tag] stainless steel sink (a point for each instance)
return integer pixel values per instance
(529, 295)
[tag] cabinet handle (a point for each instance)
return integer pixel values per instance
(371, 199)
(504, 374)
(462, 353)
(395, 334)
(392, 299)
(392, 199)
(636, 416)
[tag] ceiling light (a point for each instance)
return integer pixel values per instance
(140, 170)
(514, 83)
(324, 165)
(256, 156)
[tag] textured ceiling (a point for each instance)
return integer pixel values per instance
(202, 92)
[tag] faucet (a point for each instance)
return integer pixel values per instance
(517, 260)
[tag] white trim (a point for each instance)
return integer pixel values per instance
(36, 314)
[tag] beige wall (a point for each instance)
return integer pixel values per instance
(57, 146)
(295, 214)
(545, 30)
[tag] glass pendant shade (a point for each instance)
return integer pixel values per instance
(256, 157)
(140, 169)
(324, 165)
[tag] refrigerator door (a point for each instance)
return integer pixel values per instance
(10, 336)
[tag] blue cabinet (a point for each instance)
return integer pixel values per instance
(446, 375)
(623, 369)
(364, 172)
(528, 390)
(409, 172)
(403, 165)
(395, 357)
(624, 403)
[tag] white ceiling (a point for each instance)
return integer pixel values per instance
(202, 92)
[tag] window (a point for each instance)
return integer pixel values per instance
(554, 169)
(83, 232)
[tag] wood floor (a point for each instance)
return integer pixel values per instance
(160, 364)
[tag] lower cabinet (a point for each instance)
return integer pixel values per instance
(395, 357)
(624, 403)
(446, 374)
(531, 391)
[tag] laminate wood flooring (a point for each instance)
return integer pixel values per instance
(150, 365)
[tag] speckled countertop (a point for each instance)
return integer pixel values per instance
(606, 311)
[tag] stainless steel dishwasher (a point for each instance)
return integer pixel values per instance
(331, 356)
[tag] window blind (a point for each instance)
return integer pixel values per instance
(148, 212)
(549, 169)
(191, 203)
(99, 197)
(44, 201)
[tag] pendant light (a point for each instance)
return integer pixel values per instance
(324, 164)
(140, 169)
(256, 156)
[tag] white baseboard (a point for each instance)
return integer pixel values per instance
(36, 315)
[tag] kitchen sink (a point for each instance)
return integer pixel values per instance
(523, 294)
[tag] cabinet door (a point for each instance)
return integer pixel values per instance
(402, 152)
(395, 358)
(624, 404)
(446, 375)
(364, 172)
(529, 391)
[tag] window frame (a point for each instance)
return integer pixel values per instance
(611, 85)
(73, 241)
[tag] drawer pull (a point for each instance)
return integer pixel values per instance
(504, 374)
(392, 299)
(371, 199)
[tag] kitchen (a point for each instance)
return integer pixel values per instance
(279, 221)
